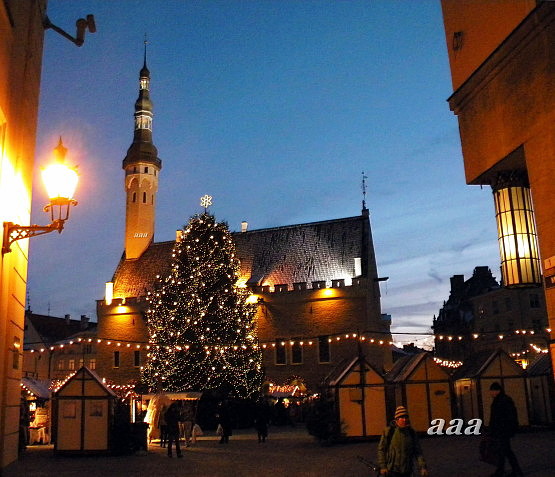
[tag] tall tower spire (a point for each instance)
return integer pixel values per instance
(142, 167)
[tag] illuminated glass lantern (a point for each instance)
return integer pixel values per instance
(60, 181)
(516, 230)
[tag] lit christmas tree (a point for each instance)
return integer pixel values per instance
(201, 328)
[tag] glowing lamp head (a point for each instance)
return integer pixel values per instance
(59, 179)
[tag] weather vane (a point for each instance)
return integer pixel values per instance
(206, 201)
(364, 177)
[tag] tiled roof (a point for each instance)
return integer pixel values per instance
(280, 255)
(134, 278)
(53, 329)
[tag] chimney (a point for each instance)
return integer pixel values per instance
(84, 322)
(244, 226)
(457, 284)
(67, 317)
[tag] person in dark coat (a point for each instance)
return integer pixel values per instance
(172, 417)
(503, 425)
(223, 417)
(261, 418)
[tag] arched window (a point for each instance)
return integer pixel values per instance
(144, 197)
(134, 197)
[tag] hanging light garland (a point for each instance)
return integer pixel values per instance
(303, 341)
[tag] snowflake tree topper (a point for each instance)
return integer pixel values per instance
(206, 201)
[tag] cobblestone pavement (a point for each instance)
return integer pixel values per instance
(288, 451)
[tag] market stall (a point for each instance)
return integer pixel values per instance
(36, 394)
(83, 410)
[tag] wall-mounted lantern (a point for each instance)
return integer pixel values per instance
(60, 181)
(516, 230)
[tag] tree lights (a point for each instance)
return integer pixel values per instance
(199, 308)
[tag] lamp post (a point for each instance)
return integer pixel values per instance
(60, 181)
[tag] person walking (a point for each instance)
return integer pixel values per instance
(172, 428)
(261, 418)
(399, 447)
(188, 420)
(163, 427)
(224, 422)
(503, 424)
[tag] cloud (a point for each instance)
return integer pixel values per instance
(432, 273)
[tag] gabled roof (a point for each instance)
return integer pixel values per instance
(339, 371)
(478, 363)
(86, 374)
(53, 329)
(40, 388)
(403, 367)
(474, 365)
(345, 367)
(281, 255)
(540, 366)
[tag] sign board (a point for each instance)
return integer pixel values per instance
(550, 281)
(549, 263)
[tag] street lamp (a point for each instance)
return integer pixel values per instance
(60, 181)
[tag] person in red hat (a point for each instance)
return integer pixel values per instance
(399, 447)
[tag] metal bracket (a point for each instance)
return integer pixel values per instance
(81, 24)
(13, 232)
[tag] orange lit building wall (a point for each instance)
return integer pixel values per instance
(474, 28)
(506, 114)
(124, 324)
(21, 43)
(312, 313)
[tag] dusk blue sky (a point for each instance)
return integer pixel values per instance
(274, 108)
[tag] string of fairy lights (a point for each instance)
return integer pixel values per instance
(123, 391)
(302, 341)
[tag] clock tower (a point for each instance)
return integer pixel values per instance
(142, 168)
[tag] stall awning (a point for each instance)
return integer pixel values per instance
(39, 388)
(184, 396)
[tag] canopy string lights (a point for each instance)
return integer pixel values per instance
(303, 341)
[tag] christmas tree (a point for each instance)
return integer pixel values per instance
(201, 328)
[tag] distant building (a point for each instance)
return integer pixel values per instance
(316, 284)
(482, 315)
(47, 352)
(502, 63)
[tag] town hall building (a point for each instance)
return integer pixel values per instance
(316, 285)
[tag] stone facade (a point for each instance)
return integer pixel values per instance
(481, 315)
(305, 328)
(506, 109)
